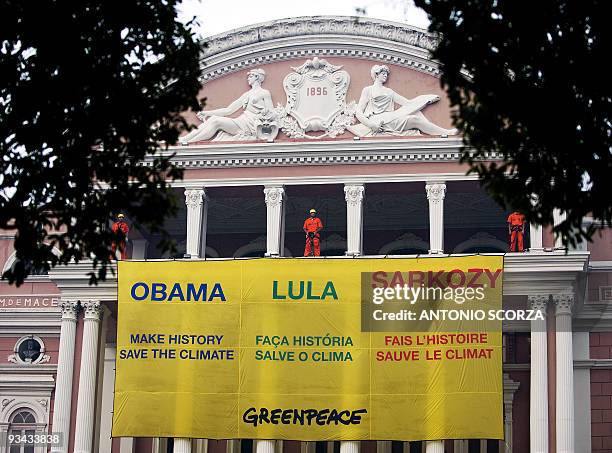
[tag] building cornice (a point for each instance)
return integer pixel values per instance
(305, 37)
(73, 281)
(331, 152)
(322, 179)
(536, 273)
(21, 321)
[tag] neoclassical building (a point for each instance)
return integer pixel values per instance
(344, 115)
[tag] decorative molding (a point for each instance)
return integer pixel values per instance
(92, 309)
(319, 25)
(69, 310)
(435, 192)
(353, 194)
(314, 152)
(339, 36)
(332, 115)
(563, 303)
(274, 195)
(194, 198)
(16, 358)
(538, 302)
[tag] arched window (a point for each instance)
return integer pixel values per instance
(22, 425)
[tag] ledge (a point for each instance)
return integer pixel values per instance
(328, 152)
(525, 273)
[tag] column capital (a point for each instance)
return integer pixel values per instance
(274, 195)
(69, 309)
(538, 302)
(92, 309)
(563, 303)
(194, 198)
(436, 191)
(353, 194)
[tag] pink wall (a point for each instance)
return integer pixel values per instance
(601, 394)
(220, 446)
(143, 445)
(520, 416)
(601, 247)
(548, 237)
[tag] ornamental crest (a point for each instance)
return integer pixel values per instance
(316, 100)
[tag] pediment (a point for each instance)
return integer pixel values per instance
(314, 74)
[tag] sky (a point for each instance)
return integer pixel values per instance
(218, 16)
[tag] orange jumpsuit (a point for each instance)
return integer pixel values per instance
(121, 229)
(516, 223)
(313, 225)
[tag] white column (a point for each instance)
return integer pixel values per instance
(565, 373)
(384, 446)
(200, 446)
(353, 194)
(83, 438)
(538, 401)
(434, 446)
(582, 393)
(535, 231)
(65, 368)
(196, 222)
(460, 446)
(264, 446)
(436, 191)
(535, 238)
(182, 445)
(275, 220)
(108, 387)
(348, 446)
(558, 218)
(139, 249)
(126, 445)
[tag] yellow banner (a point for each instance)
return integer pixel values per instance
(310, 349)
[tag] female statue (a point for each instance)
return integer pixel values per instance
(377, 114)
(256, 102)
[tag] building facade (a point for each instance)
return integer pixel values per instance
(344, 115)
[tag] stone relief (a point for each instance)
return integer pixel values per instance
(337, 25)
(316, 102)
(256, 122)
(377, 114)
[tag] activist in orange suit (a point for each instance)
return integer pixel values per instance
(312, 227)
(516, 230)
(121, 229)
